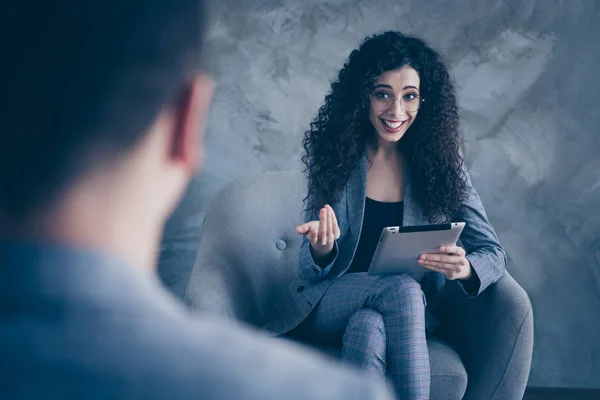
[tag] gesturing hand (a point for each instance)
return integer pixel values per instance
(323, 233)
(452, 264)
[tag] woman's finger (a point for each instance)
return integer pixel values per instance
(457, 250)
(309, 229)
(450, 274)
(330, 238)
(312, 235)
(323, 217)
(336, 228)
(443, 258)
(441, 266)
(304, 228)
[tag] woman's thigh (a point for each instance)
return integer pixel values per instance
(350, 293)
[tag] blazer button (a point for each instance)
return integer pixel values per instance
(280, 245)
(300, 289)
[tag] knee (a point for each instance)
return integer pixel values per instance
(367, 320)
(401, 290)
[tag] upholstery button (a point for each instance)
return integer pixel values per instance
(280, 245)
(300, 289)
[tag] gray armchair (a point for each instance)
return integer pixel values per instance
(249, 247)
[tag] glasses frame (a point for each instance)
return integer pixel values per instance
(421, 101)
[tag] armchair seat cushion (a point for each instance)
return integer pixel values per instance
(448, 375)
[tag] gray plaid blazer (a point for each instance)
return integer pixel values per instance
(479, 239)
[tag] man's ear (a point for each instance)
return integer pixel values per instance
(191, 114)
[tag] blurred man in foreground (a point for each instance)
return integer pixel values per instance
(100, 136)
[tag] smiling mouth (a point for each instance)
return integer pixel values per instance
(392, 124)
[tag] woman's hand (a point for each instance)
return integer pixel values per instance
(323, 233)
(453, 264)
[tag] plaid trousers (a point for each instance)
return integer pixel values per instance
(380, 322)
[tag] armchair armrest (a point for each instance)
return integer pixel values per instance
(493, 334)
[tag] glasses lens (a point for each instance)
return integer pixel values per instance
(411, 103)
(408, 103)
(381, 103)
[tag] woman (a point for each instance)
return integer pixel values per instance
(385, 150)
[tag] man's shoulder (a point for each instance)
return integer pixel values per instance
(236, 361)
(208, 357)
(105, 329)
(159, 351)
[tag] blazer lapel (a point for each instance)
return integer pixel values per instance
(356, 191)
(413, 213)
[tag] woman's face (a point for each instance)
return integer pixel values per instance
(389, 118)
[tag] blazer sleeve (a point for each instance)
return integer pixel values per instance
(484, 252)
(308, 268)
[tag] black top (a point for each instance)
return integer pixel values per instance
(378, 215)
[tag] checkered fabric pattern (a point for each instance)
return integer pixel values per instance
(380, 321)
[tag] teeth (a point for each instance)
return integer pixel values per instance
(393, 125)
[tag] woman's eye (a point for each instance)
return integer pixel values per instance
(410, 96)
(382, 95)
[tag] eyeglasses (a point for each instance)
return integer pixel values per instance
(410, 102)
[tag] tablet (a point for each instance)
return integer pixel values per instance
(400, 247)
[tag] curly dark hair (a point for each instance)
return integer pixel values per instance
(339, 134)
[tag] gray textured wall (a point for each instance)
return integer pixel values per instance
(529, 90)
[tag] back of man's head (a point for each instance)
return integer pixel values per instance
(82, 83)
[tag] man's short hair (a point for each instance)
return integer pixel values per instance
(82, 82)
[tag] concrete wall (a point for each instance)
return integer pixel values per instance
(529, 90)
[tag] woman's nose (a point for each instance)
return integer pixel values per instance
(396, 109)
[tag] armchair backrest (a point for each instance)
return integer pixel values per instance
(248, 248)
